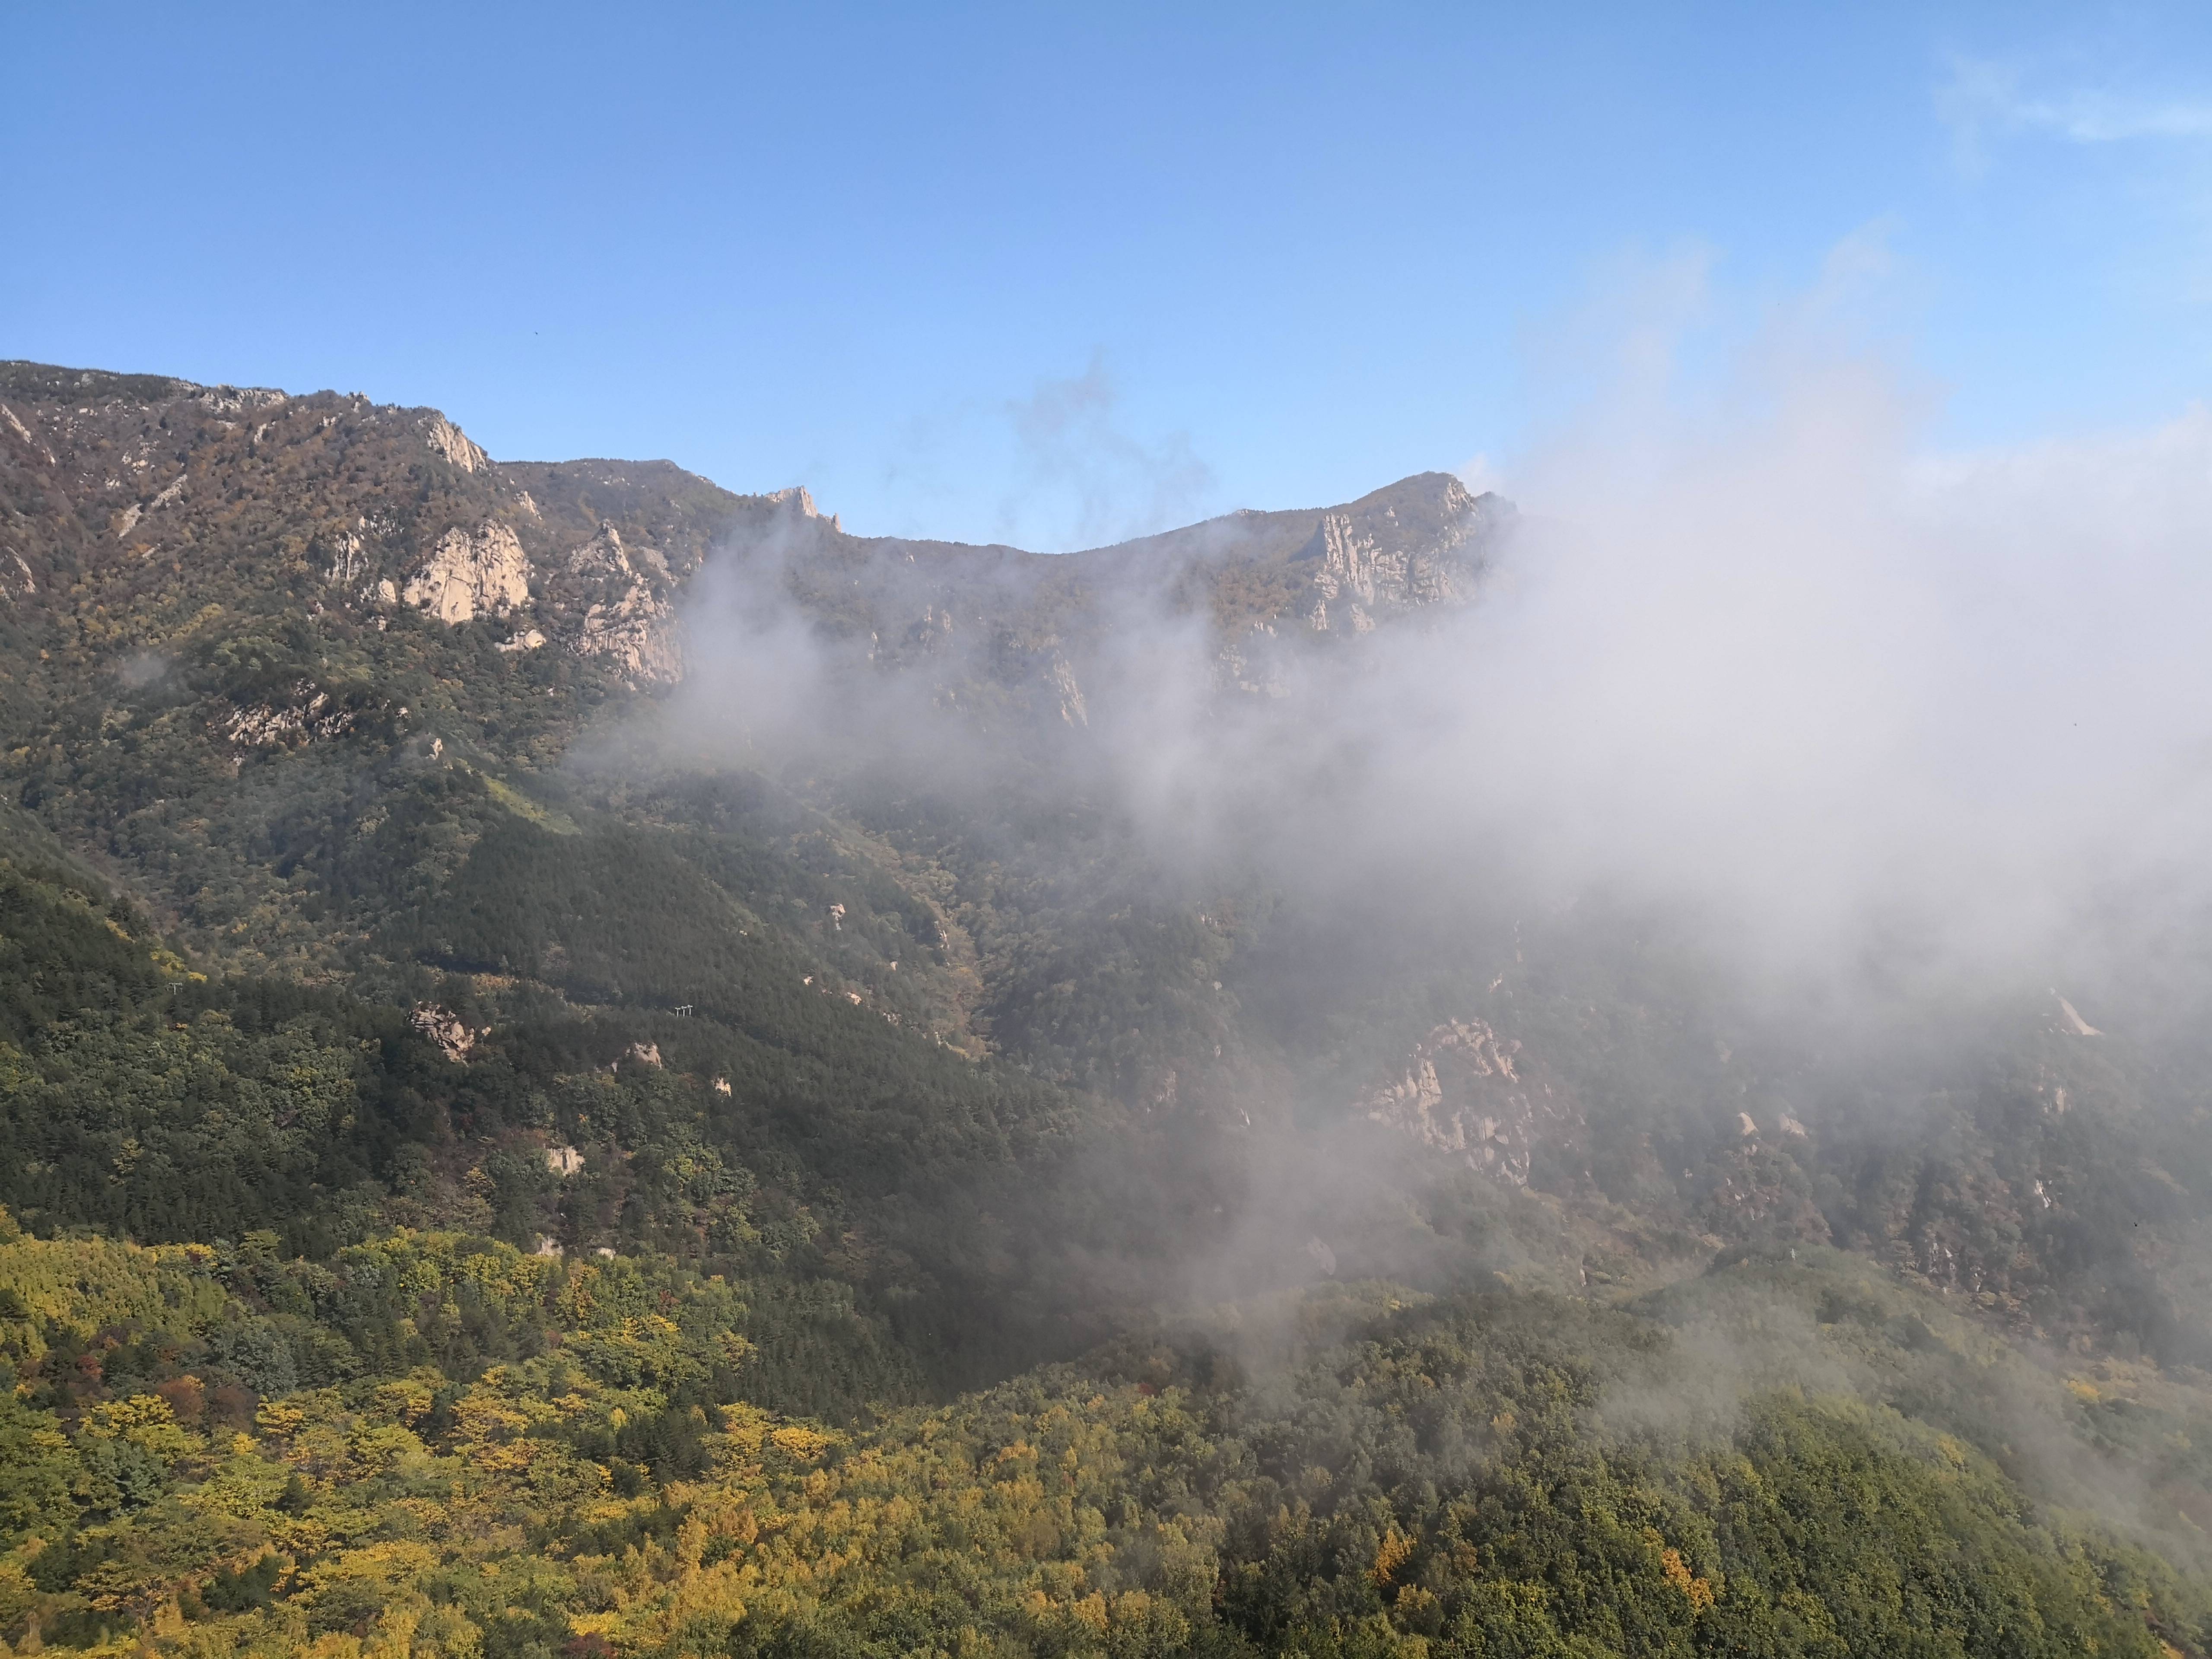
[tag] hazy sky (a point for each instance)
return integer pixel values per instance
(1056, 274)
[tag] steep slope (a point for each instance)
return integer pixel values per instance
(310, 679)
(236, 617)
(462, 1085)
(303, 678)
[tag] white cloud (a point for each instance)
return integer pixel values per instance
(1758, 653)
(1987, 99)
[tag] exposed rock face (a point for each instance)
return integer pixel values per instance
(1374, 565)
(637, 635)
(1074, 710)
(2074, 1025)
(454, 444)
(238, 400)
(444, 1028)
(349, 559)
(23, 432)
(563, 1161)
(356, 556)
(483, 575)
(604, 559)
(626, 617)
(1462, 1094)
(309, 714)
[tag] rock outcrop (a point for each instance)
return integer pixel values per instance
(1463, 1093)
(308, 713)
(2074, 1024)
(454, 444)
(483, 574)
(444, 1030)
(617, 604)
(1369, 566)
(605, 599)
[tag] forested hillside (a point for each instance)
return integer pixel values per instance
(592, 1065)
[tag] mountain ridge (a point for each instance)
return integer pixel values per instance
(1274, 534)
(557, 1017)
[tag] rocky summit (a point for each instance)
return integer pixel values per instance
(594, 1064)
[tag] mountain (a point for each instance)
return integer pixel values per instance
(596, 1065)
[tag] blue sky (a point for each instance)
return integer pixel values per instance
(1055, 275)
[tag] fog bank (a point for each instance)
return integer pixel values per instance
(1761, 652)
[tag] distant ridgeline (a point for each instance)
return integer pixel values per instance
(1017, 1247)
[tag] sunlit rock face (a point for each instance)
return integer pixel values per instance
(605, 599)
(616, 603)
(307, 714)
(1367, 566)
(469, 574)
(445, 1031)
(450, 442)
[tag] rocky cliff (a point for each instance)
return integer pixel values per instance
(1468, 1094)
(144, 497)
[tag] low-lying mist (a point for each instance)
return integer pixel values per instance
(1781, 768)
(1764, 656)
(1762, 908)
